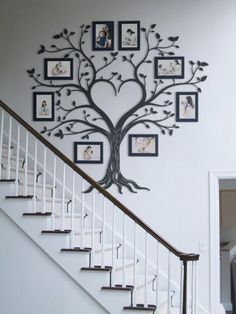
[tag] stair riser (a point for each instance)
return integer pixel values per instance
(87, 240)
(5, 150)
(39, 191)
(12, 161)
(21, 175)
(48, 205)
(77, 223)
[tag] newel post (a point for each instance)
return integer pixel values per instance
(185, 258)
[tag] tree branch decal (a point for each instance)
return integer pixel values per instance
(83, 117)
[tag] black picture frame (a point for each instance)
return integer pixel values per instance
(59, 66)
(43, 111)
(95, 150)
(105, 42)
(126, 26)
(140, 148)
(169, 67)
(187, 107)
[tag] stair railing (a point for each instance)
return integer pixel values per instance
(123, 226)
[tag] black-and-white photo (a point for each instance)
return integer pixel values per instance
(143, 145)
(187, 106)
(58, 69)
(169, 67)
(88, 152)
(129, 35)
(43, 106)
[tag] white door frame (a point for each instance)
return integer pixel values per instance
(214, 240)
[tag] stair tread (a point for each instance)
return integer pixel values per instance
(38, 214)
(7, 180)
(139, 307)
(97, 268)
(119, 288)
(19, 196)
(77, 249)
(55, 231)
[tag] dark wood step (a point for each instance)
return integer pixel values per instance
(77, 249)
(119, 288)
(8, 180)
(38, 214)
(141, 307)
(97, 268)
(56, 231)
(19, 196)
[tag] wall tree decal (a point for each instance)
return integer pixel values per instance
(88, 118)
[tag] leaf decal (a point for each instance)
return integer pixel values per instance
(41, 50)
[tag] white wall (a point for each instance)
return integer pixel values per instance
(178, 178)
(37, 285)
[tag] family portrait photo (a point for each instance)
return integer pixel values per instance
(88, 152)
(187, 106)
(58, 69)
(103, 36)
(43, 106)
(169, 67)
(129, 35)
(143, 145)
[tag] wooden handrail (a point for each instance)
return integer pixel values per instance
(182, 256)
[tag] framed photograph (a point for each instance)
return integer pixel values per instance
(129, 35)
(43, 106)
(88, 152)
(143, 145)
(187, 107)
(58, 69)
(103, 36)
(169, 67)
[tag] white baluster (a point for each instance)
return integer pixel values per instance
(113, 273)
(169, 284)
(103, 230)
(54, 192)
(124, 252)
(135, 263)
(146, 271)
(82, 216)
(63, 198)
(93, 228)
(157, 280)
(17, 158)
(9, 150)
(35, 174)
(1, 143)
(44, 178)
(26, 164)
(72, 211)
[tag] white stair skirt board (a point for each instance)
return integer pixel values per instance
(31, 282)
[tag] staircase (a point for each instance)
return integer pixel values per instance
(119, 260)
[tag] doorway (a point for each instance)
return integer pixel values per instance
(227, 191)
(216, 179)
